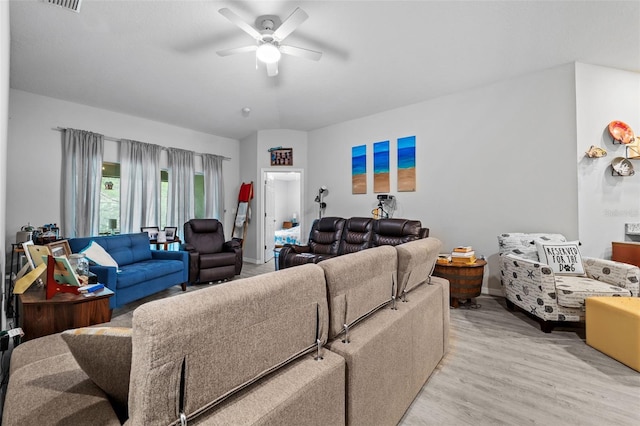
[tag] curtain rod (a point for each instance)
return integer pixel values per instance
(111, 138)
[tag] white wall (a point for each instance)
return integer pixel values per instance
(606, 202)
(5, 38)
(491, 160)
(35, 151)
(256, 150)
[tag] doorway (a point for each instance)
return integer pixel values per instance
(283, 208)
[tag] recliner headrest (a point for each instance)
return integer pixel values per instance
(398, 227)
(328, 224)
(359, 224)
(204, 225)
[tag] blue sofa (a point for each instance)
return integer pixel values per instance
(142, 271)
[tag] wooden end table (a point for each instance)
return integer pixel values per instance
(41, 317)
(165, 244)
(465, 279)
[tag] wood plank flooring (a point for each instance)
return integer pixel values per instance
(502, 370)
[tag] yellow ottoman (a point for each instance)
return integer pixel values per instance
(613, 327)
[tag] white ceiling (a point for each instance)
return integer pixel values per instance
(157, 60)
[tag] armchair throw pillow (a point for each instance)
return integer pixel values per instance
(563, 258)
(98, 255)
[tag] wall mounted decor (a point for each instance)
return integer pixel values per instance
(381, 167)
(282, 157)
(622, 167)
(621, 132)
(632, 228)
(633, 149)
(407, 164)
(596, 152)
(359, 169)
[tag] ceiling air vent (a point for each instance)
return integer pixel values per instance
(73, 5)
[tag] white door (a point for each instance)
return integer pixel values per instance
(269, 216)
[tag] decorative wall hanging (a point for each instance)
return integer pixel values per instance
(622, 167)
(359, 169)
(282, 157)
(621, 132)
(381, 167)
(596, 152)
(407, 164)
(633, 149)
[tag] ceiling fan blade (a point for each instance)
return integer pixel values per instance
(244, 49)
(235, 19)
(291, 23)
(272, 69)
(300, 52)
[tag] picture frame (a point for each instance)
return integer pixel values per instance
(152, 231)
(60, 248)
(171, 232)
(27, 253)
(282, 157)
(63, 272)
(36, 252)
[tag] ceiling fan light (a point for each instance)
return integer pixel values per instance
(268, 53)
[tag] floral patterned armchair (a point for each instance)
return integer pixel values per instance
(551, 297)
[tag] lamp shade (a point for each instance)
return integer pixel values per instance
(268, 53)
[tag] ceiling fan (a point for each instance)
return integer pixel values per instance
(268, 35)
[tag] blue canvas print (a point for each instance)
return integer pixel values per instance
(407, 164)
(359, 169)
(381, 167)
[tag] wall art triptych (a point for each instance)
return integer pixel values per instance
(406, 166)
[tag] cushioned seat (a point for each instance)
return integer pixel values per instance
(572, 291)
(391, 232)
(324, 242)
(210, 257)
(146, 270)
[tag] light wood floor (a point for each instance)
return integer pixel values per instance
(502, 370)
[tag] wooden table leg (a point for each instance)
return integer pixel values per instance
(454, 302)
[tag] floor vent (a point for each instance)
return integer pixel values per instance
(73, 5)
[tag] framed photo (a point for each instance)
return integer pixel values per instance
(171, 232)
(152, 231)
(282, 157)
(60, 248)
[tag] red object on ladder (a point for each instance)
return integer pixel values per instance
(243, 211)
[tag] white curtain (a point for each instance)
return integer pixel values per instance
(82, 180)
(139, 185)
(181, 192)
(213, 186)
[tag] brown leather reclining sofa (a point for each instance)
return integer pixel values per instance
(335, 236)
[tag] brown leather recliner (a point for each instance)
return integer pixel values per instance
(391, 232)
(210, 257)
(324, 242)
(357, 235)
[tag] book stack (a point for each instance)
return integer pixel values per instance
(444, 259)
(463, 255)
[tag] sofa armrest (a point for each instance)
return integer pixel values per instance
(107, 275)
(527, 283)
(614, 273)
(169, 255)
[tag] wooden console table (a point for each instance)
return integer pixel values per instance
(626, 252)
(41, 317)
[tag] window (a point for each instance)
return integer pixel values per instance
(164, 197)
(110, 199)
(198, 195)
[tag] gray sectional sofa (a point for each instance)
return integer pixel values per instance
(348, 341)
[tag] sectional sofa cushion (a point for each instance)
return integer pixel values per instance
(358, 284)
(261, 323)
(104, 354)
(416, 260)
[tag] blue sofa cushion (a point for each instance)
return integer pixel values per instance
(147, 270)
(125, 249)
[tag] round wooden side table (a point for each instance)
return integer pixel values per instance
(465, 280)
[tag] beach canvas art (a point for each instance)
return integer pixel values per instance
(381, 167)
(359, 169)
(407, 164)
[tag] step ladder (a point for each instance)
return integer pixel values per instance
(243, 213)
